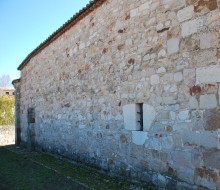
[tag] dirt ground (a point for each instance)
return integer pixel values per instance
(24, 170)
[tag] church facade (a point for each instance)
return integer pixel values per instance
(131, 87)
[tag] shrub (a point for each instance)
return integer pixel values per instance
(7, 110)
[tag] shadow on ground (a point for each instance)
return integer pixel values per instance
(24, 170)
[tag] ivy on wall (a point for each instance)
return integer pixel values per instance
(7, 110)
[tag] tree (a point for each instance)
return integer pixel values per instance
(4, 80)
(7, 110)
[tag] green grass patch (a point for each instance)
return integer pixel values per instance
(86, 175)
(35, 170)
(18, 172)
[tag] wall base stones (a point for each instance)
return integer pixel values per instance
(166, 178)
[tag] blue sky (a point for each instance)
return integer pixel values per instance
(24, 24)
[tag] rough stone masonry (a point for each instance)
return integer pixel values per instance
(133, 88)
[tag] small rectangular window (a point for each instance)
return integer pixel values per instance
(7, 93)
(133, 117)
(31, 115)
(140, 114)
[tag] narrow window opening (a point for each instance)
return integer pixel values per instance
(133, 116)
(140, 116)
(31, 115)
(7, 93)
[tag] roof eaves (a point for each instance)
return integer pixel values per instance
(16, 81)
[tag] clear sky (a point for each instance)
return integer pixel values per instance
(24, 24)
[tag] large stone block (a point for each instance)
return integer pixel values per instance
(212, 118)
(169, 100)
(139, 137)
(154, 79)
(167, 78)
(183, 115)
(161, 70)
(178, 77)
(207, 178)
(154, 144)
(211, 158)
(173, 45)
(174, 107)
(144, 7)
(149, 115)
(208, 101)
(193, 103)
(183, 126)
(185, 14)
(175, 4)
(131, 117)
(208, 40)
(206, 139)
(182, 158)
(201, 6)
(213, 19)
(219, 94)
(159, 180)
(189, 76)
(133, 12)
(7, 135)
(189, 27)
(186, 186)
(205, 57)
(208, 74)
(162, 144)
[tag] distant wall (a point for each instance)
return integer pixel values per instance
(7, 135)
(7, 91)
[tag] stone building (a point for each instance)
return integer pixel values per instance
(131, 87)
(7, 91)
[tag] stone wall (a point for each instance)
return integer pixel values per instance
(17, 94)
(7, 135)
(87, 86)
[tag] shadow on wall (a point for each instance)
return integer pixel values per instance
(7, 135)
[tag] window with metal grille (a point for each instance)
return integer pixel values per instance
(140, 114)
(133, 116)
(31, 115)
